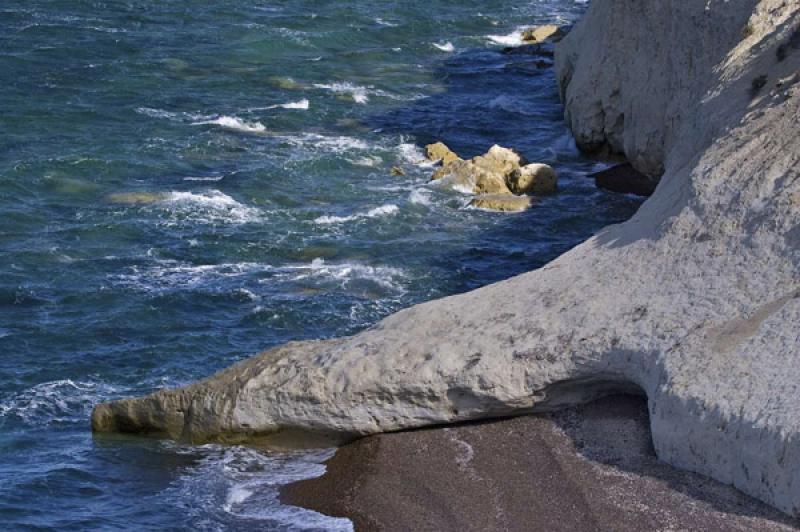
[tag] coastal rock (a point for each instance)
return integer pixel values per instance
(537, 179)
(694, 302)
(500, 160)
(440, 152)
(467, 176)
(484, 174)
(136, 198)
(502, 202)
(539, 34)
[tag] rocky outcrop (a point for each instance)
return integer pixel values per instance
(540, 34)
(468, 176)
(694, 302)
(536, 178)
(501, 202)
(500, 171)
(440, 152)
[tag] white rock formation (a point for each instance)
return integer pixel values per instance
(695, 301)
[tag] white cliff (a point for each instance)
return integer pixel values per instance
(694, 302)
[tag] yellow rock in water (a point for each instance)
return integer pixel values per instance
(502, 202)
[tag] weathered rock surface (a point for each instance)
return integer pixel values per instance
(440, 152)
(470, 177)
(484, 174)
(502, 202)
(536, 178)
(624, 178)
(539, 34)
(695, 301)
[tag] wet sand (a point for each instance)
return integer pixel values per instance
(586, 468)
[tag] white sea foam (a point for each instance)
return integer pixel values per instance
(235, 124)
(512, 39)
(312, 142)
(245, 483)
(377, 212)
(386, 23)
(204, 178)
(173, 275)
(211, 206)
(303, 104)
(368, 161)
(445, 47)
(58, 401)
(420, 196)
(412, 154)
(236, 495)
(171, 115)
(346, 272)
(156, 113)
(359, 94)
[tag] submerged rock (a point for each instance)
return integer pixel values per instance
(133, 198)
(502, 202)
(624, 178)
(537, 179)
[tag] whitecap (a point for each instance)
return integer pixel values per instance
(204, 178)
(211, 206)
(236, 495)
(413, 154)
(313, 142)
(368, 161)
(172, 275)
(377, 212)
(57, 401)
(346, 272)
(445, 47)
(303, 104)
(512, 39)
(420, 196)
(235, 124)
(156, 113)
(358, 93)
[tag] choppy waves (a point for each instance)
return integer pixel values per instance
(378, 212)
(236, 483)
(208, 207)
(61, 401)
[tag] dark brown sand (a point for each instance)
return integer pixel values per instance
(587, 468)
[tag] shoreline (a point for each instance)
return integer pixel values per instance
(591, 467)
(693, 301)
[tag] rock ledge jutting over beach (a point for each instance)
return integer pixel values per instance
(694, 302)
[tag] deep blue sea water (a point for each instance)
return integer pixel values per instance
(183, 184)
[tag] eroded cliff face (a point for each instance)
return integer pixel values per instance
(695, 301)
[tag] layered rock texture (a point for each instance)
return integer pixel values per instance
(695, 301)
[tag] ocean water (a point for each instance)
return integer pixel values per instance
(184, 184)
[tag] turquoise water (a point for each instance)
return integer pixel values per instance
(183, 184)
